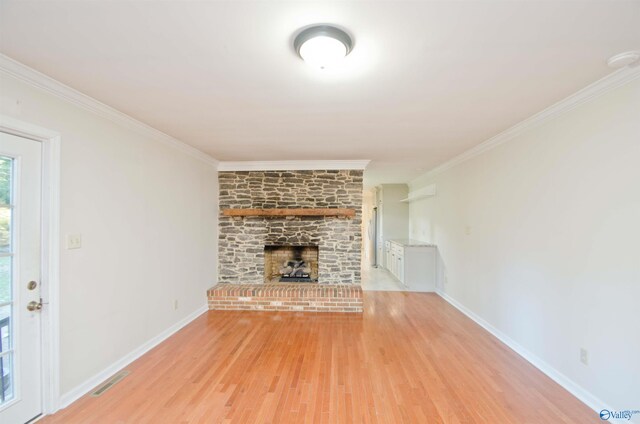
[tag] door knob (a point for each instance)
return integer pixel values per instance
(34, 306)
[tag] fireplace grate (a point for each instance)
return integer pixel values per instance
(295, 280)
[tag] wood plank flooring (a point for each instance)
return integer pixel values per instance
(410, 358)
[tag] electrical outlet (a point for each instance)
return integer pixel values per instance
(467, 230)
(175, 304)
(584, 356)
(74, 241)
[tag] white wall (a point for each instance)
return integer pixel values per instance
(540, 237)
(147, 213)
(394, 212)
(393, 216)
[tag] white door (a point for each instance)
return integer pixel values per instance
(20, 221)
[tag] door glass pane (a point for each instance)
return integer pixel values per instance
(6, 171)
(6, 355)
(5, 229)
(6, 282)
(6, 378)
(5, 279)
(5, 328)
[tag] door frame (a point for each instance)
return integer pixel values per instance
(50, 256)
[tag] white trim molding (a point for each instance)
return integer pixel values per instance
(85, 387)
(610, 82)
(293, 165)
(39, 80)
(575, 389)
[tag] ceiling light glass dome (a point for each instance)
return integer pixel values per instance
(323, 46)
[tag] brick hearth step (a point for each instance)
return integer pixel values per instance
(302, 297)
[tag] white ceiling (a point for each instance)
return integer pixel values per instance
(425, 81)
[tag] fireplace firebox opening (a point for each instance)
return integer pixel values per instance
(290, 264)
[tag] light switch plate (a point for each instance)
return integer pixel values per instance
(74, 241)
(584, 356)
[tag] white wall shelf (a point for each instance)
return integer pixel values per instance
(423, 193)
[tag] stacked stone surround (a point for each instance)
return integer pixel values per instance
(242, 240)
(286, 297)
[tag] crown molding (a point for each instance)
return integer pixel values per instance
(292, 165)
(43, 82)
(609, 82)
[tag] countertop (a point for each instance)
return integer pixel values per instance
(412, 243)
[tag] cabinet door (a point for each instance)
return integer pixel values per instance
(394, 265)
(400, 265)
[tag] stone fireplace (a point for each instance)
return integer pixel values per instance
(322, 251)
(242, 240)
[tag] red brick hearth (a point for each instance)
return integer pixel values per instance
(305, 297)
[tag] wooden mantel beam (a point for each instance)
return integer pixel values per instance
(290, 212)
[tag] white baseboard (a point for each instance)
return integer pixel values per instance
(585, 396)
(84, 388)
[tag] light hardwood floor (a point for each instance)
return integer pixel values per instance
(410, 358)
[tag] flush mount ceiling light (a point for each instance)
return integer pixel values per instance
(322, 45)
(621, 60)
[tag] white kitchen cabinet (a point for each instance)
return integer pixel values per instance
(413, 263)
(400, 269)
(388, 260)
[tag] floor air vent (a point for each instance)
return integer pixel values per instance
(109, 383)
